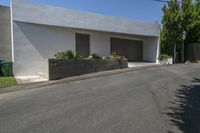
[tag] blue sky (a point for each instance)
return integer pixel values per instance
(145, 10)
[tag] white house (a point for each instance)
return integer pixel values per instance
(30, 34)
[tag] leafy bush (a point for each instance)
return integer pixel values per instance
(68, 54)
(164, 57)
(94, 56)
(1, 63)
(6, 69)
(116, 56)
(106, 57)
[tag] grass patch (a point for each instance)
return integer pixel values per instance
(7, 82)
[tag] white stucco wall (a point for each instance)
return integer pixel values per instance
(34, 44)
(151, 49)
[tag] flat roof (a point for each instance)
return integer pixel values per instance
(24, 11)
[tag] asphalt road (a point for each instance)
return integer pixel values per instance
(155, 100)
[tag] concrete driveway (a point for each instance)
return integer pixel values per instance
(163, 99)
(141, 64)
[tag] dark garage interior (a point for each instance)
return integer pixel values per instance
(131, 49)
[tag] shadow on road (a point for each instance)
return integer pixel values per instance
(185, 113)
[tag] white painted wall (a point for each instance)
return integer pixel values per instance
(151, 49)
(34, 44)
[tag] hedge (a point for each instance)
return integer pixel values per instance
(6, 69)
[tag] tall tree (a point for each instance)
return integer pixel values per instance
(171, 34)
(186, 16)
(179, 19)
(194, 26)
(186, 12)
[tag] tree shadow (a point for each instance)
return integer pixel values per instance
(185, 110)
(196, 80)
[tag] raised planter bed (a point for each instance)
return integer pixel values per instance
(59, 69)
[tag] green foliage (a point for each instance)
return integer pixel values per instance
(171, 34)
(68, 54)
(164, 57)
(6, 69)
(186, 14)
(7, 82)
(177, 19)
(166, 47)
(193, 28)
(106, 58)
(116, 56)
(94, 56)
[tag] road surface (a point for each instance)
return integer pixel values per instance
(164, 99)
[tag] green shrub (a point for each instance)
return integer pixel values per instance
(164, 57)
(6, 69)
(106, 57)
(1, 63)
(116, 56)
(68, 54)
(94, 56)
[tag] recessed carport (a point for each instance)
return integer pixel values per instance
(131, 49)
(136, 48)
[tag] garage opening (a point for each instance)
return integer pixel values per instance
(131, 49)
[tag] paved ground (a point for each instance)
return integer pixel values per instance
(154, 100)
(30, 79)
(141, 64)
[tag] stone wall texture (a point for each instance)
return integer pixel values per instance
(59, 69)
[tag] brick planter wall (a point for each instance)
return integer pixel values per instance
(59, 69)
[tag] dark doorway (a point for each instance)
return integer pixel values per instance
(83, 44)
(131, 49)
